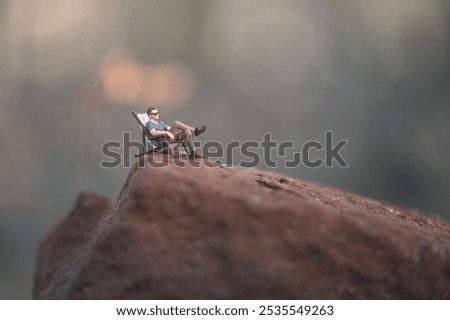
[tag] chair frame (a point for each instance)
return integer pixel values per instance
(170, 146)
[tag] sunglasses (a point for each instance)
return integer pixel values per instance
(154, 113)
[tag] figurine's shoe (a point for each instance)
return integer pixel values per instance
(199, 130)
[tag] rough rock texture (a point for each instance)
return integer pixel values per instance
(211, 232)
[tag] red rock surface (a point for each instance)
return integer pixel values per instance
(211, 232)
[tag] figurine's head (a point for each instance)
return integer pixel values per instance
(153, 113)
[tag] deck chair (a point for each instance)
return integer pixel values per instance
(149, 146)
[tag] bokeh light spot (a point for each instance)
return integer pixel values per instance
(126, 81)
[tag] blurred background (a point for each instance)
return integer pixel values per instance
(374, 72)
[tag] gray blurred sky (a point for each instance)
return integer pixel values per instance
(375, 73)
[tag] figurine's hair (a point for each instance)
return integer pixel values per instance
(149, 110)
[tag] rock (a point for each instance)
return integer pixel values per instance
(67, 246)
(195, 230)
